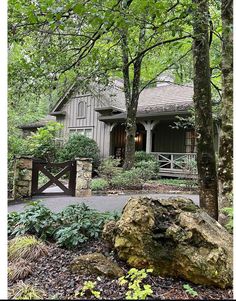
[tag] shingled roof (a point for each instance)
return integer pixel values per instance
(166, 97)
(37, 124)
(169, 97)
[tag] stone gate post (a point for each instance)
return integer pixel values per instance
(83, 177)
(22, 177)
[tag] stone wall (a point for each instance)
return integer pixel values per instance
(22, 177)
(83, 177)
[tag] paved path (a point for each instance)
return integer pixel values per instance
(100, 203)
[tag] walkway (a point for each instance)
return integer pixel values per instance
(101, 203)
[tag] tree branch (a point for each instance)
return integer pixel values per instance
(142, 53)
(154, 80)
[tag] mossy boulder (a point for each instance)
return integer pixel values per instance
(96, 263)
(175, 238)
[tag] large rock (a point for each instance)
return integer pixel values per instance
(96, 263)
(175, 238)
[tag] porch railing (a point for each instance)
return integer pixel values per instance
(177, 162)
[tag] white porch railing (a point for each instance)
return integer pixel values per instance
(177, 162)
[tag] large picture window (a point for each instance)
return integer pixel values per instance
(190, 142)
(81, 109)
(82, 131)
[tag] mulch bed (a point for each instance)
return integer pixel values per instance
(52, 274)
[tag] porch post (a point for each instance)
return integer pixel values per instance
(107, 141)
(148, 137)
(149, 126)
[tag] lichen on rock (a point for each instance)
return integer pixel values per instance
(175, 238)
(96, 263)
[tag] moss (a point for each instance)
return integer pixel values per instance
(139, 262)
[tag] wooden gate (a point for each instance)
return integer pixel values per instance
(46, 168)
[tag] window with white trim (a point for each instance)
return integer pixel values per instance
(81, 109)
(190, 142)
(82, 131)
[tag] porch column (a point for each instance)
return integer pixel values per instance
(148, 137)
(149, 126)
(107, 142)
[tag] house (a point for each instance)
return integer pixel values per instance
(99, 113)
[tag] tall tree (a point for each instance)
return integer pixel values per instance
(225, 168)
(206, 162)
(104, 38)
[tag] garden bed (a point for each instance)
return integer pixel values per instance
(152, 187)
(52, 274)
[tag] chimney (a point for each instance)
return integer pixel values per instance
(164, 79)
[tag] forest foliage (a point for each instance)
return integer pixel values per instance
(52, 44)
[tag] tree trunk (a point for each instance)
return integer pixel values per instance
(132, 92)
(225, 168)
(206, 162)
(130, 141)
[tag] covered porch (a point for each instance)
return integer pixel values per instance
(175, 149)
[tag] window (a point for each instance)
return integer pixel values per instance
(190, 142)
(82, 131)
(81, 109)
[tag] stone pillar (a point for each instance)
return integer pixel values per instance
(22, 177)
(83, 177)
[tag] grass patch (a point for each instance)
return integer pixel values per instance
(26, 247)
(19, 270)
(176, 182)
(22, 291)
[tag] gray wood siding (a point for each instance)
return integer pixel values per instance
(100, 131)
(166, 139)
(117, 138)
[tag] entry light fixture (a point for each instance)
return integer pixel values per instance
(137, 137)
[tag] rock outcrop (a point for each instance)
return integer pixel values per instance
(96, 263)
(175, 238)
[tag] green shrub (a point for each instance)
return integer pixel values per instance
(147, 169)
(13, 220)
(143, 156)
(109, 168)
(42, 144)
(72, 226)
(129, 179)
(79, 223)
(99, 184)
(36, 219)
(80, 146)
